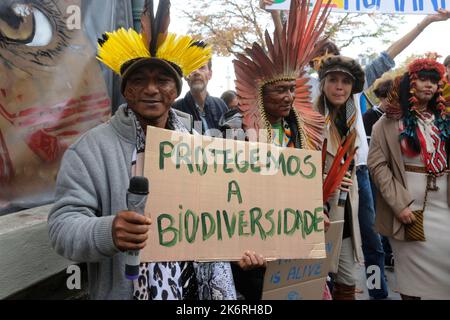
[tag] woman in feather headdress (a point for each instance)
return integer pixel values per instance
(341, 78)
(408, 161)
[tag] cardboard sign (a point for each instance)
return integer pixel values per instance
(285, 277)
(213, 199)
(376, 6)
(309, 290)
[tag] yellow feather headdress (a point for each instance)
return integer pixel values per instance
(122, 46)
(117, 49)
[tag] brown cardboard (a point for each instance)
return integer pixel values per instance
(310, 290)
(171, 188)
(286, 273)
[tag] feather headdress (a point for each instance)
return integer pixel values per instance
(122, 49)
(394, 108)
(288, 54)
(427, 64)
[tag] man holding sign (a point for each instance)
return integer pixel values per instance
(90, 221)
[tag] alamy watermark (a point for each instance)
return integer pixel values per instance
(73, 21)
(373, 273)
(73, 282)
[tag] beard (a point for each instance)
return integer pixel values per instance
(198, 86)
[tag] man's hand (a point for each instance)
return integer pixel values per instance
(406, 216)
(442, 15)
(130, 230)
(251, 260)
(264, 3)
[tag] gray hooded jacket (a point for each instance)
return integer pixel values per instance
(91, 189)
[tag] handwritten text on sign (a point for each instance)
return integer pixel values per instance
(298, 279)
(378, 6)
(213, 199)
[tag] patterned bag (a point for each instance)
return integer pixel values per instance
(415, 231)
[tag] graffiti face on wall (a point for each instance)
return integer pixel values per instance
(51, 91)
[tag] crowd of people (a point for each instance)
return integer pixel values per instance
(397, 209)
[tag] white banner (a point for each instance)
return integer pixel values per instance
(377, 6)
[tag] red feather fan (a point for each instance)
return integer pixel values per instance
(338, 170)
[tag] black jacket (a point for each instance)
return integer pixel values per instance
(214, 109)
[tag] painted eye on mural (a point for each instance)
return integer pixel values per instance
(25, 24)
(33, 30)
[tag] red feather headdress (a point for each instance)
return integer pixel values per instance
(427, 64)
(394, 109)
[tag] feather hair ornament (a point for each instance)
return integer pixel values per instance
(288, 54)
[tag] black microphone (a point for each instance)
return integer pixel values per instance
(136, 198)
(343, 195)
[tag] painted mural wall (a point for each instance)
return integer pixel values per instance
(52, 89)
